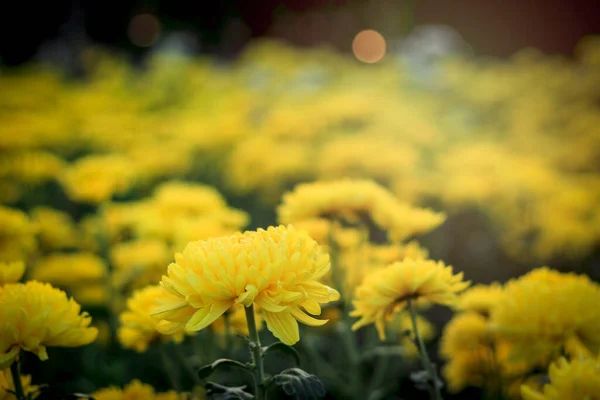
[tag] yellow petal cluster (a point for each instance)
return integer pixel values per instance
(31, 167)
(34, 316)
(7, 385)
(480, 298)
(575, 379)
(536, 315)
(139, 262)
(80, 273)
(17, 235)
(11, 272)
(97, 178)
(135, 390)
(278, 269)
(56, 229)
(137, 328)
(386, 291)
(351, 200)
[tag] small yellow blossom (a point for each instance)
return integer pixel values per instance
(386, 291)
(139, 263)
(351, 200)
(70, 270)
(135, 390)
(137, 328)
(11, 272)
(97, 178)
(17, 235)
(480, 298)
(56, 229)
(58, 321)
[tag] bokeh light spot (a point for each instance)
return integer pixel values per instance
(369, 46)
(144, 30)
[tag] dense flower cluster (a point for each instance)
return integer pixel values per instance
(135, 390)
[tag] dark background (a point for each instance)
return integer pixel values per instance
(223, 27)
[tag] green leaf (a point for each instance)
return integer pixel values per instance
(207, 370)
(284, 348)
(220, 392)
(299, 384)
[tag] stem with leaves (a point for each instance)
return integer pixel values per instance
(16, 377)
(434, 389)
(256, 352)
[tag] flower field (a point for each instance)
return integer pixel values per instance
(295, 224)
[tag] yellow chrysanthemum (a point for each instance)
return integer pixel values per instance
(139, 263)
(17, 235)
(96, 178)
(56, 229)
(70, 270)
(386, 291)
(31, 167)
(7, 385)
(35, 315)
(11, 272)
(480, 298)
(138, 328)
(277, 269)
(536, 315)
(351, 200)
(135, 390)
(577, 379)
(475, 355)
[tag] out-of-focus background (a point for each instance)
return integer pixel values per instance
(486, 111)
(54, 29)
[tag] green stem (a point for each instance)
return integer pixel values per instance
(434, 389)
(227, 334)
(169, 368)
(16, 377)
(256, 351)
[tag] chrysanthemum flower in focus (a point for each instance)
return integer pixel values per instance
(577, 379)
(135, 390)
(11, 272)
(386, 291)
(7, 385)
(277, 269)
(34, 316)
(545, 311)
(138, 328)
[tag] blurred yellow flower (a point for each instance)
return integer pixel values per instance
(7, 385)
(137, 328)
(351, 200)
(35, 315)
(97, 178)
(523, 319)
(403, 326)
(17, 235)
(139, 263)
(56, 229)
(31, 167)
(70, 270)
(480, 298)
(277, 269)
(386, 291)
(575, 379)
(11, 272)
(135, 390)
